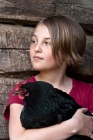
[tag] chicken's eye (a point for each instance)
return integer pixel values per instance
(23, 89)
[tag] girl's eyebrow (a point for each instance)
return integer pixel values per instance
(33, 35)
(47, 38)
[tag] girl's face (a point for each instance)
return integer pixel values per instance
(41, 50)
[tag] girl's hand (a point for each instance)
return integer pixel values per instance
(84, 123)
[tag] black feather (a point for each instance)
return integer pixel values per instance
(46, 106)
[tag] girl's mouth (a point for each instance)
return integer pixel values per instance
(37, 58)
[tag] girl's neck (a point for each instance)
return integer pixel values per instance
(58, 80)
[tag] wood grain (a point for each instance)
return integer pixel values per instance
(15, 37)
(29, 12)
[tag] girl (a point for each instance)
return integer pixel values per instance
(57, 42)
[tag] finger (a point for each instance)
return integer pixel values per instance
(84, 110)
(91, 136)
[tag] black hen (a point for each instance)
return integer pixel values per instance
(46, 106)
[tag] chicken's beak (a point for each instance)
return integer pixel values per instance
(15, 92)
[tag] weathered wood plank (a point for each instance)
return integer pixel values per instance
(14, 60)
(16, 37)
(20, 74)
(80, 10)
(63, 9)
(2, 107)
(32, 11)
(9, 81)
(4, 97)
(74, 2)
(83, 13)
(3, 122)
(4, 132)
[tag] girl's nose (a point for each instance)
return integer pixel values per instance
(37, 48)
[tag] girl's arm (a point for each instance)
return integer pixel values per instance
(57, 132)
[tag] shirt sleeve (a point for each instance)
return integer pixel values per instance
(14, 98)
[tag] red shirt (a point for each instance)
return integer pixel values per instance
(81, 92)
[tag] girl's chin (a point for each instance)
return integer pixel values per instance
(37, 68)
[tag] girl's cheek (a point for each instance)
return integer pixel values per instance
(31, 49)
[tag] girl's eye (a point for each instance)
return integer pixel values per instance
(47, 43)
(33, 42)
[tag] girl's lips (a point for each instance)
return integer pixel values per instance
(37, 58)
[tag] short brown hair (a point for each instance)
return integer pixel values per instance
(67, 37)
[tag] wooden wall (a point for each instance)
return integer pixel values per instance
(17, 21)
